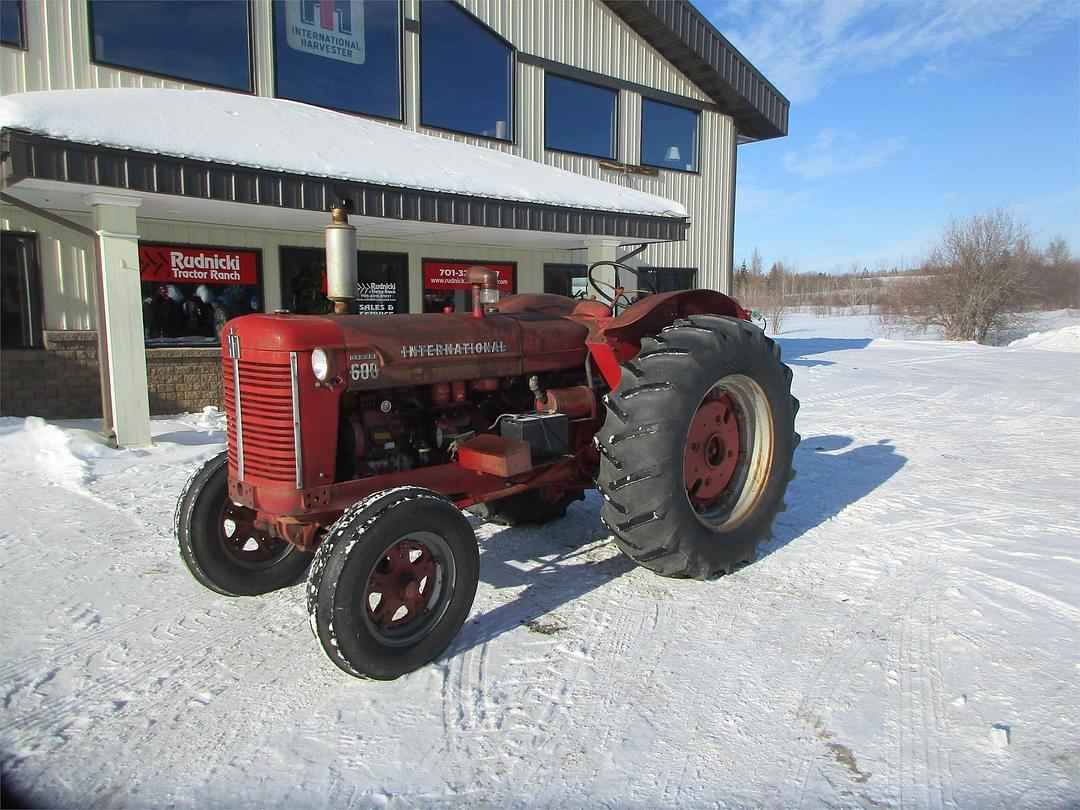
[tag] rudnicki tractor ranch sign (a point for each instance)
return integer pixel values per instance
(175, 264)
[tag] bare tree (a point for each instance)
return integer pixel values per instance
(773, 296)
(973, 284)
(750, 281)
(1054, 280)
(757, 264)
(856, 287)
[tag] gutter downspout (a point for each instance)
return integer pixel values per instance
(104, 373)
(729, 258)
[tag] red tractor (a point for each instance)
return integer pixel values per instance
(354, 442)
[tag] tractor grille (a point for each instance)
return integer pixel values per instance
(266, 421)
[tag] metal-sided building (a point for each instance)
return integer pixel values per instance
(159, 244)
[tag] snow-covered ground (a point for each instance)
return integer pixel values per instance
(908, 638)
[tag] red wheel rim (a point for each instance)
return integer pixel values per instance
(401, 585)
(712, 451)
(248, 545)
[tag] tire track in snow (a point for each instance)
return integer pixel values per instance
(530, 718)
(100, 696)
(811, 750)
(1028, 595)
(892, 579)
(917, 716)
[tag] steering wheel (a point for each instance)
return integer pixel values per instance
(600, 285)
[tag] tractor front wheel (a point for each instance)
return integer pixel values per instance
(220, 544)
(696, 448)
(393, 582)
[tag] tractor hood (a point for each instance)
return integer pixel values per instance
(379, 351)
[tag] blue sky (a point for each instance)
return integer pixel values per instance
(904, 114)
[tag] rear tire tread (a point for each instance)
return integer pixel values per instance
(645, 432)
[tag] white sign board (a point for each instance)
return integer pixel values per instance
(333, 29)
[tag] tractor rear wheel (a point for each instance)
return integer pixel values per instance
(393, 582)
(696, 448)
(220, 544)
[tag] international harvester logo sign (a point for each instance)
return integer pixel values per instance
(333, 29)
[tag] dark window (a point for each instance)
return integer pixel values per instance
(382, 281)
(466, 73)
(192, 40)
(20, 292)
(669, 136)
(579, 117)
(567, 279)
(12, 29)
(342, 54)
(670, 279)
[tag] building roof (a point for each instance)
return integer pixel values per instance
(693, 45)
(240, 148)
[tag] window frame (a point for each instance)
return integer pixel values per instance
(32, 293)
(402, 21)
(615, 123)
(249, 10)
(513, 111)
(23, 44)
(697, 137)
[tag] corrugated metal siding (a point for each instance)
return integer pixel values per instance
(584, 34)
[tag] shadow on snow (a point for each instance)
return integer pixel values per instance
(795, 351)
(558, 571)
(829, 479)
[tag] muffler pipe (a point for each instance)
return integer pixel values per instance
(341, 284)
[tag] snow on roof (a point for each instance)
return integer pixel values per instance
(287, 136)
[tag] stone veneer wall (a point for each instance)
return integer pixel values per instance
(61, 380)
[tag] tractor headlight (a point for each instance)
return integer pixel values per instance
(321, 365)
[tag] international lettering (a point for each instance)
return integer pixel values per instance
(453, 349)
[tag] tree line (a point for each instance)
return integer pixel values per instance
(975, 283)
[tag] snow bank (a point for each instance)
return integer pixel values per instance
(288, 136)
(1066, 339)
(33, 445)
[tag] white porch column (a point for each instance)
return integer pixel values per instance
(118, 257)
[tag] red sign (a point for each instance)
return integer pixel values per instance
(176, 264)
(440, 275)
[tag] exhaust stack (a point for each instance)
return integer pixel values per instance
(340, 260)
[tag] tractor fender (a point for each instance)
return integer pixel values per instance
(619, 340)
